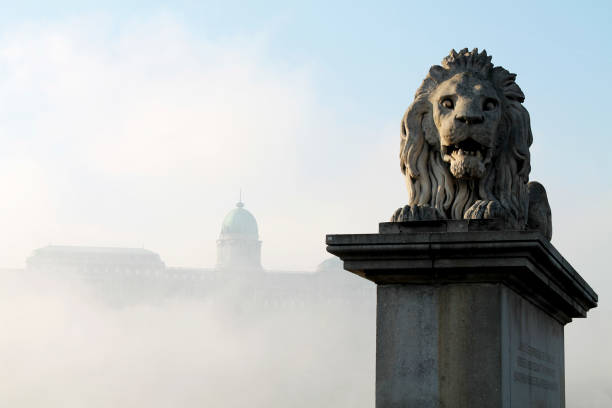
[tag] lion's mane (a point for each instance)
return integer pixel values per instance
(428, 178)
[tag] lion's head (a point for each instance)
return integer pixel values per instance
(466, 138)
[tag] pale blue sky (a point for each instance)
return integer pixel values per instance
(364, 50)
(368, 57)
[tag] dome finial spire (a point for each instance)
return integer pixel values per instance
(240, 204)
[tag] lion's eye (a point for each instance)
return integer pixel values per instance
(490, 104)
(447, 103)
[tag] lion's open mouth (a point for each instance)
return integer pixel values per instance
(467, 147)
(467, 159)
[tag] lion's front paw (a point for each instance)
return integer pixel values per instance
(484, 210)
(417, 213)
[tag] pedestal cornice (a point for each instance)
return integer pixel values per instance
(441, 252)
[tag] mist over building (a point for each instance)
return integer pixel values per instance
(132, 275)
(159, 335)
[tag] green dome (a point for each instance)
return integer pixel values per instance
(239, 223)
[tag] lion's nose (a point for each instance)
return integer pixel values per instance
(470, 119)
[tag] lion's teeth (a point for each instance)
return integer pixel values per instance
(478, 154)
(461, 152)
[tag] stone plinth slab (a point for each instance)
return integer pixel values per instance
(468, 315)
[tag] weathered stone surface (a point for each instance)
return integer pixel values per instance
(469, 315)
(465, 147)
(406, 364)
(466, 345)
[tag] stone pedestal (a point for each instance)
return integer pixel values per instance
(468, 315)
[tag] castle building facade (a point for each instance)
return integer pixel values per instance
(128, 275)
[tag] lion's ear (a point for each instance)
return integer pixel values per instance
(506, 82)
(437, 73)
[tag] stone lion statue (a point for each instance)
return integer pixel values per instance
(465, 147)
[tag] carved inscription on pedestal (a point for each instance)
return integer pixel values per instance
(536, 368)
